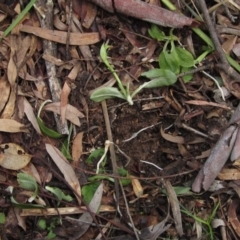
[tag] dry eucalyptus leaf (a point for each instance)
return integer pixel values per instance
(66, 169)
(12, 126)
(15, 157)
(137, 187)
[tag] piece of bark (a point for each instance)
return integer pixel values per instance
(219, 154)
(50, 48)
(147, 12)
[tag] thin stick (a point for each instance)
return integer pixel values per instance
(111, 148)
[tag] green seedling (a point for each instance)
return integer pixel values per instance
(88, 191)
(60, 195)
(173, 58)
(18, 19)
(45, 130)
(66, 145)
(27, 182)
(204, 222)
(203, 35)
(43, 225)
(22, 205)
(180, 191)
(165, 76)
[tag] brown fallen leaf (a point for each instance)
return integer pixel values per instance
(12, 126)
(172, 196)
(66, 169)
(232, 216)
(72, 113)
(67, 89)
(147, 12)
(13, 156)
(4, 91)
(30, 115)
(229, 174)
(77, 148)
(137, 187)
(205, 103)
(218, 157)
(61, 37)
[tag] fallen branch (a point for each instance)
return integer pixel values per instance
(50, 48)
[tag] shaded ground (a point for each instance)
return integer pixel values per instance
(173, 135)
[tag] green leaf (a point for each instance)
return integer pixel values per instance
(2, 218)
(42, 223)
(65, 149)
(51, 235)
(97, 153)
(169, 61)
(89, 190)
(160, 78)
(18, 18)
(104, 56)
(185, 57)
(27, 182)
(188, 77)
(48, 131)
(105, 93)
(25, 205)
(60, 195)
(156, 33)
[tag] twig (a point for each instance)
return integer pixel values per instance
(212, 31)
(50, 48)
(111, 148)
(128, 212)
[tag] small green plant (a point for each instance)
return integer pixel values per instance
(165, 78)
(27, 182)
(44, 129)
(59, 194)
(204, 222)
(43, 225)
(173, 58)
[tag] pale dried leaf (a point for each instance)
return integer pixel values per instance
(228, 45)
(72, 113)
(205, 103)
(171, 138)
(4, 91)
(77, 148)
(66, 90)
(31, 170)
(61, 37)
(232, 216)
(64, 101)
(172, 196)
(66, 170)
(86, 218)
(15, 157)
(12, 126)
(20, 219)
(229, 174)
(137, 187)
(30, 115)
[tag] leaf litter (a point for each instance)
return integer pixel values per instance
(159, 131)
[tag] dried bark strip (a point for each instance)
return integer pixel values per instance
(61, 37)
(50, 48)
(147, 12)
